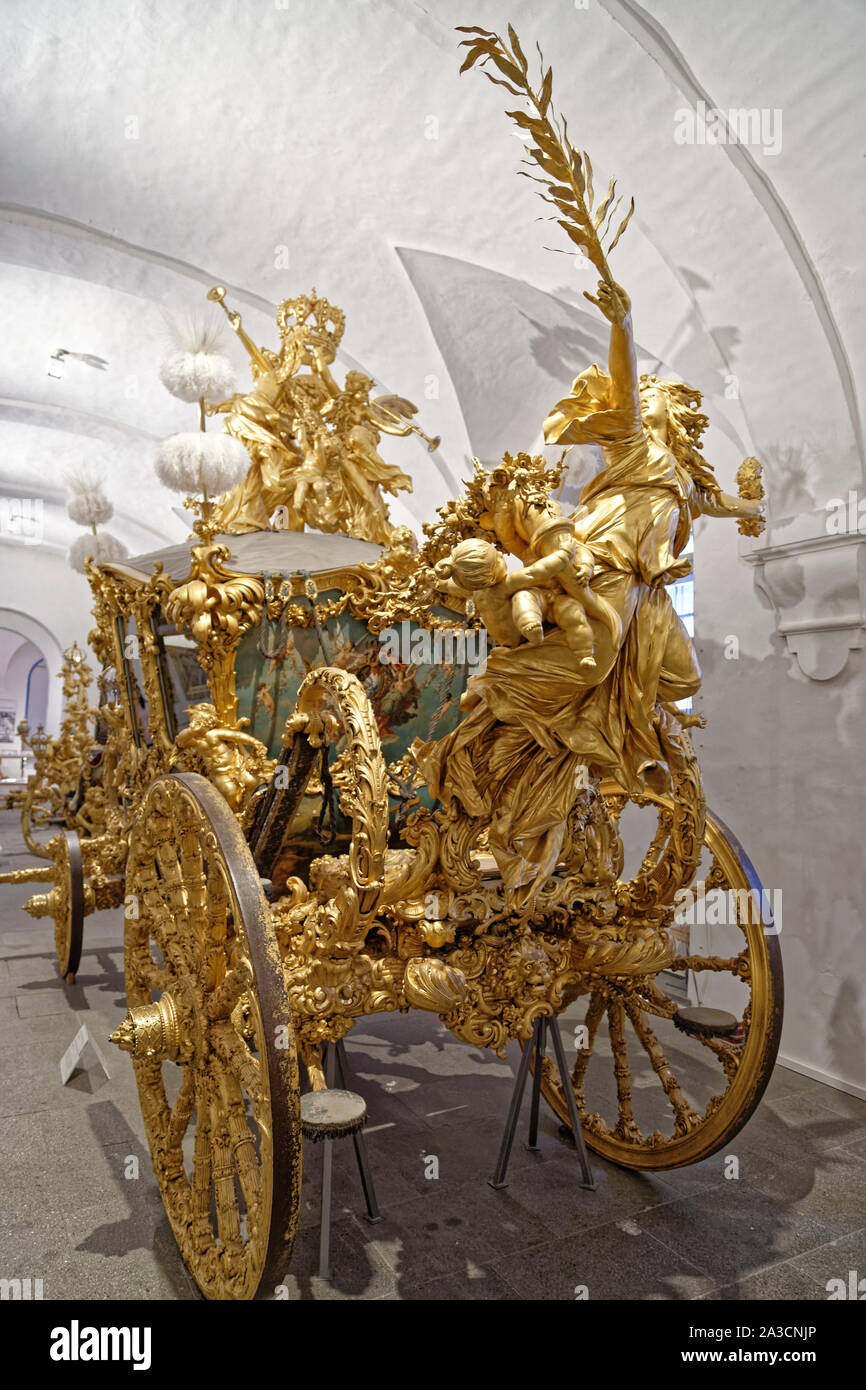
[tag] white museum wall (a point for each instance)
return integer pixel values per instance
(48, 603)
(19, 657)
(783, 763)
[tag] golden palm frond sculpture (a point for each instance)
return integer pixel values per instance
(567, 171)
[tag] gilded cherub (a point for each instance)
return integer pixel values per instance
(553, 587)
(233, 760)
(533, 527)
(511, 603)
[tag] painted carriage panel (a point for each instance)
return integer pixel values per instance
(411, 699)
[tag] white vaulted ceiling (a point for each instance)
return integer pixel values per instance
(154, 148)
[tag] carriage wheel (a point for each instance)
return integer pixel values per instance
(206, 990)
(68, 911)
(642, 1110)
(66, 902)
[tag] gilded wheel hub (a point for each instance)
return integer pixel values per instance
(152, 1030)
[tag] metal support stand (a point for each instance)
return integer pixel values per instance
(335, 1060)
(374, 1216)
(537, 1047)
(327, 1173)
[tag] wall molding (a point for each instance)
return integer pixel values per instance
(850, 1088)
(815, 579)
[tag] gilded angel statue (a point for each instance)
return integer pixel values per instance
(313, 443)
(357, 422)
(540, 710)
(271, 419)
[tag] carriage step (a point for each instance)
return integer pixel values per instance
(718, 1023)
(332, 1114)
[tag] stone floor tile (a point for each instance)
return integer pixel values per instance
(733, 1231)
(604, 1263)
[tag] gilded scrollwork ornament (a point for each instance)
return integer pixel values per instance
(217, 606)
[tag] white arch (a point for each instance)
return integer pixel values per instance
(50, 648)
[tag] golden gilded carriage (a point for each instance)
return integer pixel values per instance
(308, 817)
(248, 942)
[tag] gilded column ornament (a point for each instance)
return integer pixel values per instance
(217, 607)
(59, 762)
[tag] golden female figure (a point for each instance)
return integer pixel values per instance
(636, 518)
(537, 714)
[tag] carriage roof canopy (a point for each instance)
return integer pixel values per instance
(259, 552)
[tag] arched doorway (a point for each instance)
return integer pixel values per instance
(24, 642)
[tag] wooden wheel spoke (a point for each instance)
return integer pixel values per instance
(171, 882)
(193, 884)
(231, 1049)
(242, 1144)
(594, 1015)
(144, 969)
(226, 996)
(215, 942)
(149, 1077)
(223, 1179)
(201, 1175)
(732, 965)
(654, 1000)
(626, 1127)
(156, 977)
(686, 1117)
(181, 1112)
(174, 946)
(149, 895)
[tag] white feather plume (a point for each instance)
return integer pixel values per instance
(193, 376)
(87, 504)
(195, 367)
(193, 462)
(103, 548)
(197, 329)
